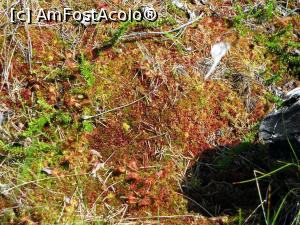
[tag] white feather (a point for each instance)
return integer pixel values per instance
(218, 51)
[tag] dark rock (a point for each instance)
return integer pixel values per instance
(281, 128)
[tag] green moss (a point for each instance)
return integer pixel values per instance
(86, 70)
(78, 90)
(105, 88)
(36, 126)
(126, 126)
(274, 99)
(117, 35)
(35, 149)
(279, 43)
(202, 103)
(259, 14)
(172, 9)
(252, 134)
(87, 126)
(64, 118)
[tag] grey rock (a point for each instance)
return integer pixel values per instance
(282, 126)
(295, 93)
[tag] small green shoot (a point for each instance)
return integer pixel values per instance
(86, 70)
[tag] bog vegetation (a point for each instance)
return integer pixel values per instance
(114, 123)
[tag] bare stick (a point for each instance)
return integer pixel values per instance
(119, 107)
(42, 179)
(157, 33)
(114, 109)
(29, 44)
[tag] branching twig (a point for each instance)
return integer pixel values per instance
(159, 33)
(42, 179)
(114, 109)
(119, 107)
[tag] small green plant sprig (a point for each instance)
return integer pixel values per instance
(281, 45)
(86, 70)
(259, 14)
(115, 36)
